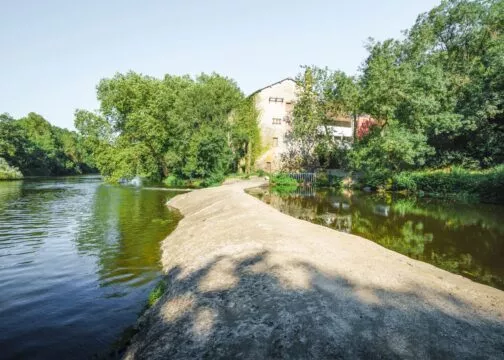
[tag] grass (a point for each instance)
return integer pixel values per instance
(156, 293)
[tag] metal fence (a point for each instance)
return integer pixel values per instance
(304, 177)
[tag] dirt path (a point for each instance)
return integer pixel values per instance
(248, 282)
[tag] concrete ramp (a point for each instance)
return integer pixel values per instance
(246, 281)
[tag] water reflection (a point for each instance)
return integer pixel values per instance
(77, 260)
(466, 239)
(124, 230)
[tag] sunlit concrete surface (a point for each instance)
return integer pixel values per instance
(246, 281)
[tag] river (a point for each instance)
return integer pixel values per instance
(463, 238)
(77, 260)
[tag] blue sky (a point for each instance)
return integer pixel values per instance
(55, 52)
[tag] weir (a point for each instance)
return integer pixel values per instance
(246, 281)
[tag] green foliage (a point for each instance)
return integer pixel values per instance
(324, 180)
(444, 81)
(35, 147)
(438, 98)
(323, 96)
(487, 185)
(214, 179)
(282, 179)
(156, 293)
(246, 137)
(383, 152)
(173, 182)
(404, 181)
(177, 127)
(8, 172)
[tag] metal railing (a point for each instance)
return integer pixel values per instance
(304, 177)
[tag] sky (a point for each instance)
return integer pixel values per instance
(54, 53)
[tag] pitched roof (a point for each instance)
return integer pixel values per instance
(270, 85)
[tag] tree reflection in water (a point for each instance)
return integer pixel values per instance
(463, 238)
(124, 230)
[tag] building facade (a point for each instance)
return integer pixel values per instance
(275, 104)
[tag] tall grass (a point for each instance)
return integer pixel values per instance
(156, 293)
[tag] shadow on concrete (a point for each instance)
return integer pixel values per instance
(250, 308)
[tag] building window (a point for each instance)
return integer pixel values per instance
(277, 121)
(342, 123)
(276, 100)
(275, 142)
(289, 107)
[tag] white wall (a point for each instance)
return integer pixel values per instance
(337, 131)
(285, 89)
(270, 160)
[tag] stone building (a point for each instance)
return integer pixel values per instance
(275, 104)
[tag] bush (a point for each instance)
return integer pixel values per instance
(376, 178)
(492, 186)
(8, 172)
(213, 180)
(281, 179)
(324, 180)
(487, 185)
(174, 181)
(404, 181)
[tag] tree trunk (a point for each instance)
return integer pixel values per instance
(164, 168)
(249, 157)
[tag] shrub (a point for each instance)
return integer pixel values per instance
(487, 185)
(8, 172)
(213, 180)
(404, 181)
(281, 179)
(376, 178)
(324, 180)
(174, 181)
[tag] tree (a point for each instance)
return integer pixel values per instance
(245, 135)
(175, 126)
(380, 154)
(323, 97)
(35, 147)
(444, 81)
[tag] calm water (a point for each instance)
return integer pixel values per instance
(466, 239)
(77, 261)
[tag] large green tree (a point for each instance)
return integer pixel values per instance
(444, 81)
(36, 147)
(175, 126)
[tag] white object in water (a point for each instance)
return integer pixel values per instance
(136, 181)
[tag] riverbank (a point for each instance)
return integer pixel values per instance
(245, 280)
(486, 186)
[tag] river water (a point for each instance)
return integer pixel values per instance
(463, 238)
(77, 260)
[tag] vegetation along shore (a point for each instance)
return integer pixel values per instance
(422, 118)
